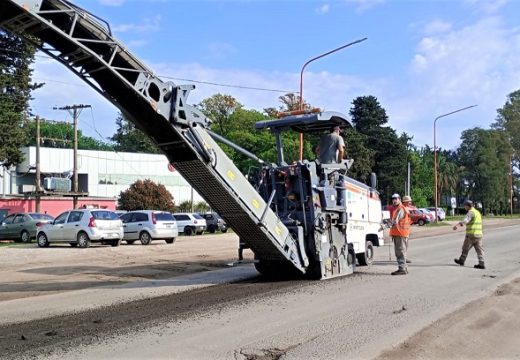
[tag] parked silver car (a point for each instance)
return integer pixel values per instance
(148, 225)
(79, 227)
(23, 226)
(441, 214)
(189, 223)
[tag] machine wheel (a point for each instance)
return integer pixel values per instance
(170, 241)
(188, 231)
(145, 238)
(367, 258)
(130, 242)
(224, 229)
(25, 237)
(420, 222)
(73, 244)
(115, 243)
(83, 240)
(42, 240)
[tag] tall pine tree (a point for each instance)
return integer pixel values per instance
(16, 57)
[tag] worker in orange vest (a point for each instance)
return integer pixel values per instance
(400, 231)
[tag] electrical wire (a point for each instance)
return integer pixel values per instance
(174, 78)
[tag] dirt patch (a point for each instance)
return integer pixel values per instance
(31, 271)
(484, 329)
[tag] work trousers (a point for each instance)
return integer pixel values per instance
(469, 242)
(400, 246)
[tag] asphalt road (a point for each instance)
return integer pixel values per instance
(359, 316)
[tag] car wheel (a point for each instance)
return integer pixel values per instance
(420, 222)
(224, 229)
(42, 240)
(25, 237)
(367, 258)
(130, 242)
(73, 244)
(83, 240)
(212, 229)
(188, 231)
(170, 241)
(145, 238)
(115, 243)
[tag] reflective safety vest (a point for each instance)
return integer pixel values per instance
(402, 227)
(474, 227)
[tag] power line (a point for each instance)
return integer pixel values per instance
(179, 79)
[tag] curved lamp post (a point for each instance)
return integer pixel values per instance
(435, 152)
(301, 80)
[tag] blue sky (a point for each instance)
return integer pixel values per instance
(422, 59)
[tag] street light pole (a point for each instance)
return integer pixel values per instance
(435, 153)
(301, 80)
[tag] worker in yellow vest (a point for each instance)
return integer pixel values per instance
(400, 231)
(474, 235)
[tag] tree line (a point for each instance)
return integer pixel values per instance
(479, 169)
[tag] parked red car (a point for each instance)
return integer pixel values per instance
(420, 218)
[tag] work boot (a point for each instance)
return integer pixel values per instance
(400, 272)
(479, 266)
(457, 261)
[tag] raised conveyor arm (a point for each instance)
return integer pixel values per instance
(85, 45)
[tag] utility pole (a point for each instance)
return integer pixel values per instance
(74, 111)
(511, 184)
(38, 175)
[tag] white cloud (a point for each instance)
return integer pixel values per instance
(476, 64)
(221, 50)
(364, 5)
(148, 25)
(323, 9)
(112, 2)
(486, 6)
(436, 27)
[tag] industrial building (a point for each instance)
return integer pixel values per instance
(102, 175)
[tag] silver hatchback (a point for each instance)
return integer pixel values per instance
(80, 227)
(148, 225)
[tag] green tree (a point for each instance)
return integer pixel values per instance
(61, 135)
(146, 194)
(16, 57)
(508, 120)
(290, 102)
(389, 152)
(129, 138)
(219, 108)
(484, 154)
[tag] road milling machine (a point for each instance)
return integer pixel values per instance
(306, 219)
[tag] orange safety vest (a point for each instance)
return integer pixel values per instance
(402, 228)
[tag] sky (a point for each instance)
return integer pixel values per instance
(421, 59)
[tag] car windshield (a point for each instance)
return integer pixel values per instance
(164, 216)
(197, 216)
(104, 215)
(37, 216)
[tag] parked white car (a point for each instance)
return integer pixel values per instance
(189, 223)
(80, 227)
(428, 212)
(440, 213)
(148, 225)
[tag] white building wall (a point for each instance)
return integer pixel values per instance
(109, 173)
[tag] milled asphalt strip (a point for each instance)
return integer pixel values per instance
(45, 306)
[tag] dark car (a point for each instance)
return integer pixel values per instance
(22, 226)
(214, 222)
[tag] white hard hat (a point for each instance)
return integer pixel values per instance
(396, 196)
